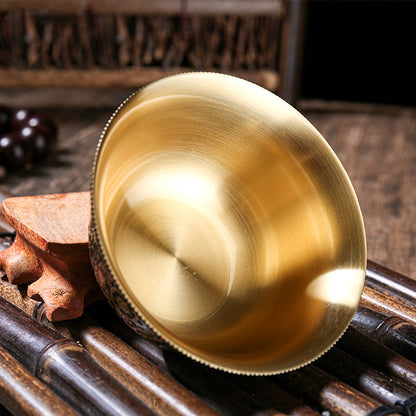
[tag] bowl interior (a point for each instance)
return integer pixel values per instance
(229, 224)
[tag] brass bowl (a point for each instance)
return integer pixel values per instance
(223, 219)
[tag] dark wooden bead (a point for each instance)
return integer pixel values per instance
(27, 137)
(40, 140)
(41, 122)
(19, 117)
(14, 153)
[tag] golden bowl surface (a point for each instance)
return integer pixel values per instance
(228, 224)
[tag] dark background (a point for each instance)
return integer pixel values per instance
(361, 51)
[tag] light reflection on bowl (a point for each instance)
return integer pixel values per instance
(226, 222)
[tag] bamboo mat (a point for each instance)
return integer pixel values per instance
(376, 144)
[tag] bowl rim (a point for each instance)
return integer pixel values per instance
(95, 225)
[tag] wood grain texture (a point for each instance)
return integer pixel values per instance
(65, 98)
(377, 146)
(64, 224)
(388, 304)
(17, 296)
(378, 150)
(50, 251)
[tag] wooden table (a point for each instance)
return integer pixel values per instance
(376, 144)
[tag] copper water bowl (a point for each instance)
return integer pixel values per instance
(223, 220)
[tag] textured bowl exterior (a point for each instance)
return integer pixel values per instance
(102, 271)
(112, 292)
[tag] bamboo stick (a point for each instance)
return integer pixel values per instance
(388, 304)
(389, 282)
(322, 389)
(160, 355)
(24, 395)
(203, 381)
(389, 292)
(392, 331)
(64, 366)
(362, 377)
(326, 392)
(399, 366)
(154, 387)
(379, 356)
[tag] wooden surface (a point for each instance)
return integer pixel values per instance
(377, 146)
(107, 78)
(66, 222)
(216, 7)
